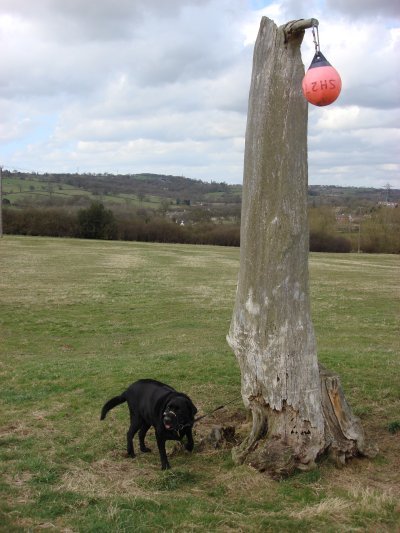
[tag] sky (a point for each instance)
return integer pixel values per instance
(161, 86)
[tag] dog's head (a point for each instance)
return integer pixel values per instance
(179, 413)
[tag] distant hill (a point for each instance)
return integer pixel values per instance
(148, 190)
(351, 196)
(155, 190)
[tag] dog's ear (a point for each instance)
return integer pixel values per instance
(193, 408)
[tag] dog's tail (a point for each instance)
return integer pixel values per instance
(117, 400)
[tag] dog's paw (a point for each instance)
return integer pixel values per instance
(145, 449)
(132, 455)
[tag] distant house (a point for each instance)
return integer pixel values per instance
(341, 218)
(388, 204)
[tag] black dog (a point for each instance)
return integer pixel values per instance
(152, 403)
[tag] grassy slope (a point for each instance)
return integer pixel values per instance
(80, 320)
(35, 192)
(38, 192)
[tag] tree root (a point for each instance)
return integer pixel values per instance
(274, 448)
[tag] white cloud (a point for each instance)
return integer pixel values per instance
(365, 8)
(161, 86)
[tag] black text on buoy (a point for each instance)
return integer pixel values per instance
(322, 83)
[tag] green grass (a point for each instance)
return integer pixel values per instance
(80, 320)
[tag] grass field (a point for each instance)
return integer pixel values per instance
(80, 320)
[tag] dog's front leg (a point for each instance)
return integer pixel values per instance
(163, 454)
(190, 442)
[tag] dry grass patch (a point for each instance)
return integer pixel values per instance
(358, 501)
(104, 478)
(244, 480)
(372, 500)
(15, 429)
(123, 262)
(334, 508)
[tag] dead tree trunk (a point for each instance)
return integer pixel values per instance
(299, 411)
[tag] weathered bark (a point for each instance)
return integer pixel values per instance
(294, 418)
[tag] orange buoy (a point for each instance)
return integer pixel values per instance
(321, 84)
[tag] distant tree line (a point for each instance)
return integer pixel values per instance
(377, 232)
(97, 222)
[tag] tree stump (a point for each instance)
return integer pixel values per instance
(299, 410)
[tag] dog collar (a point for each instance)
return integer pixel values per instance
(169, 412)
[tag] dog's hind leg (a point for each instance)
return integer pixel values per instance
(142, 434)
(133, 429)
